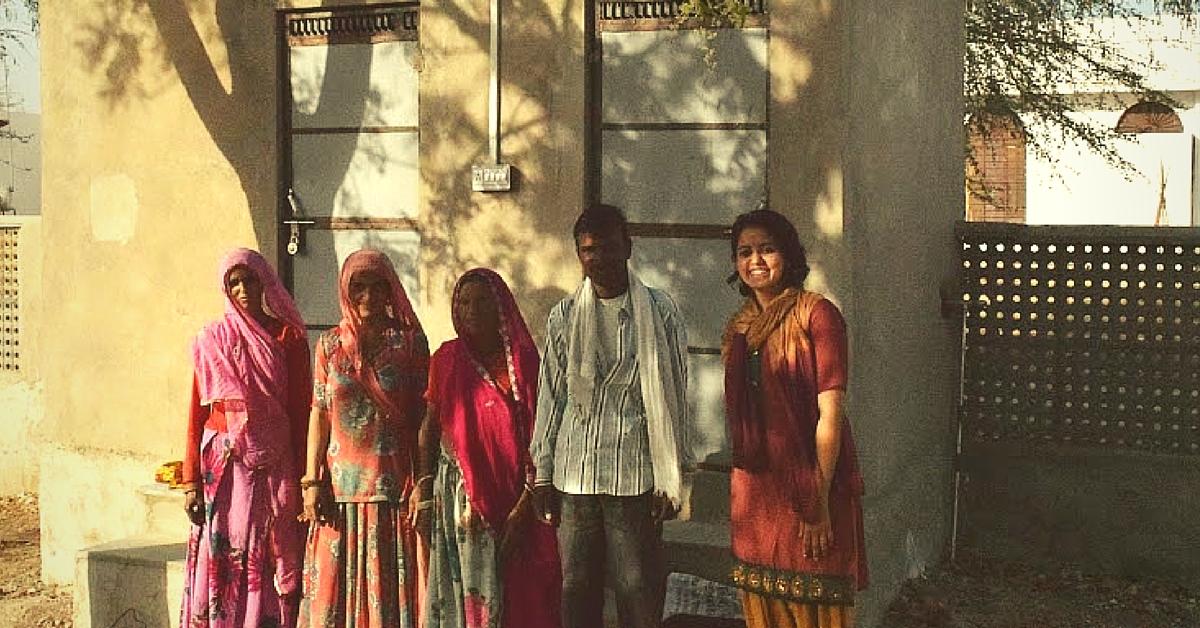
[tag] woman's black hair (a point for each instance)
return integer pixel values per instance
(795, 260)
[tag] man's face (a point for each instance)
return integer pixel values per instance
(602, 257)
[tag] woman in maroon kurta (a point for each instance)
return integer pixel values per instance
(796, 490)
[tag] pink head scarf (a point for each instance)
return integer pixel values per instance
(235, 358)
(489, 434)
(400, 311)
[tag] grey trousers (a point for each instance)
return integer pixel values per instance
(604, 536)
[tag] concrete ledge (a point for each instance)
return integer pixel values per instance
(89, 497)
(698, 548)
(131, 583)
(164, 512)
(1102, 511)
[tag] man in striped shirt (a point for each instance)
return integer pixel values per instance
(610, 443)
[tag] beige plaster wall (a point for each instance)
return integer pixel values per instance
(807, 170)
(865, 146)
(903, 194)
(159, 155)
(524, 234)
(21, 401)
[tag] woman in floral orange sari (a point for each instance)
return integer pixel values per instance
(363, 566)
(796, 490)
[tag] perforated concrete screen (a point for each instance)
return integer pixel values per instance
(10, 301)
(1082, 335)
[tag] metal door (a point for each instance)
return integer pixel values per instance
(682, 147)
(350, 140)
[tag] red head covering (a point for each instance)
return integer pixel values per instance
(399, 310)
(489, 433)
(518, 343)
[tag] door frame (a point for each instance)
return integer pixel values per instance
(352, 24)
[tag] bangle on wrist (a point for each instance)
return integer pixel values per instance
(307, 483)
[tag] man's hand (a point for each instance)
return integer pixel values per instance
(547, 504)
(663, 509)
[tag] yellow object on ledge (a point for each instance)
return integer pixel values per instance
(170, 473)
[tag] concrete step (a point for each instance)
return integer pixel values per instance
(708, 498)
(131, 583)
(137, 582)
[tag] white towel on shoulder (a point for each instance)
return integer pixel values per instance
(666, 412)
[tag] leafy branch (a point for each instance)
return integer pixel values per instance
(1023, 57)
(709, 14)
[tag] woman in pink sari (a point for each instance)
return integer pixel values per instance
(491, 562)
(363, 567)
(248, 419)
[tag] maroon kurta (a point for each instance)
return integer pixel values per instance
(770, 503)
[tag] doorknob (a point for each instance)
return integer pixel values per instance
(293, 245)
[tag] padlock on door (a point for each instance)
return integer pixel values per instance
(293, 245)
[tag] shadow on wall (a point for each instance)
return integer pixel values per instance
(536, 213)
(809, 121)
(528, 229)
(520, 232)
(128, 39)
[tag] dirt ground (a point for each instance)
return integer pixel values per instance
(24, 601)
(980, 592)
(974, 592)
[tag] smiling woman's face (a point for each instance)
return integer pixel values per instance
(369, 295)
(760, 263)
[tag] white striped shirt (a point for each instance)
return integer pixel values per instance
(604, 449)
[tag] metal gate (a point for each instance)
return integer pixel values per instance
(1081, 336)
(1080, 409)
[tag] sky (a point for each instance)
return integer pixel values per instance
(21, 58)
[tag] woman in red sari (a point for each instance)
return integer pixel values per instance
(363, 566)
(241, 469)
(796, 490)
(491, 562)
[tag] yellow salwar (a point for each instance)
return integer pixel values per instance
(767, 612)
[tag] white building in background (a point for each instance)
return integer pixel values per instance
(21, 162)
(20, 106)
(1081, 187)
